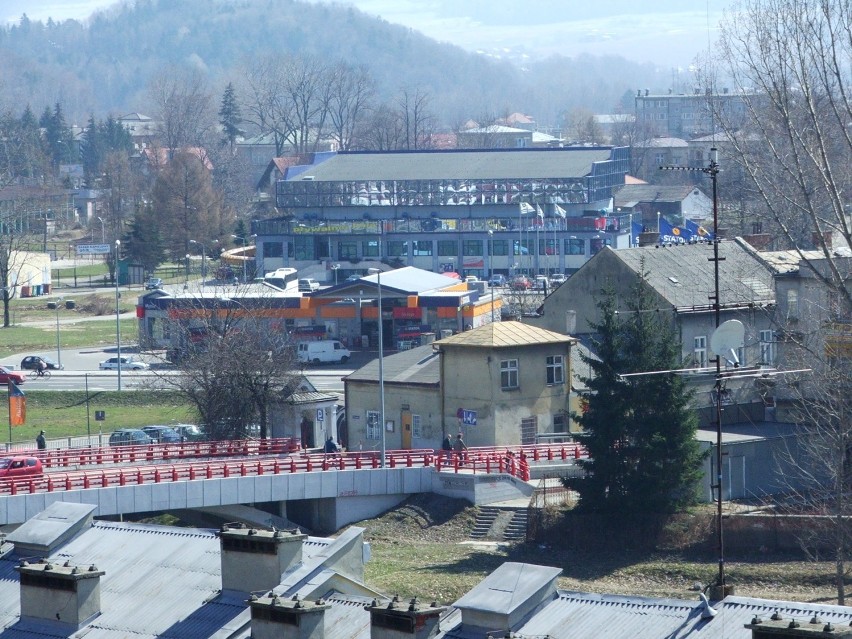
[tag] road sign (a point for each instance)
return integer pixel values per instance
(320, 415)
(100, 415)
(469, 417)
(93, 249)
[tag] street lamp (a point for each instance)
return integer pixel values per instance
(117, 315)
(203, 260)
(243, 256)
(491, 269)
(58, 347)
(103, 230)
(334, 268)
(378, 273)
(186, 273)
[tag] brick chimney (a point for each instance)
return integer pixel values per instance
(60, 593)
(274, 617)
(254, 559)
(397, 620)
(776, 627)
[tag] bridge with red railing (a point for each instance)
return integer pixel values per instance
(174, 476)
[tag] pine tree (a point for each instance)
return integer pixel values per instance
(143, 243)
(230, 117)
(639, 430)
(91, 150)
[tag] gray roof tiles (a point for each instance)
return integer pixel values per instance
(416, 366)
(458, 165)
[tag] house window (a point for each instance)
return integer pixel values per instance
(374, 430)
(448, 248)
(370, 248)
(472, 248)
(273, 249)
(422, 247)
(659, 158)
(767, 348)
(560, 423)
(699, 351)
(499, 247)
(305, 249)
(575, 246)
(555, 369)
(397, 248)
(509, 374)
(792, 304)
(416, 427)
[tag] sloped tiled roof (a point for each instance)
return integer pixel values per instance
(459, 164)
(418, 366)
(683, 274)
(505, 335)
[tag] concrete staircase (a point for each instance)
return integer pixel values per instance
(494, 523)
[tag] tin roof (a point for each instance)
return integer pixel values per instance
(457, 164)
(418, 366)
(505, 335)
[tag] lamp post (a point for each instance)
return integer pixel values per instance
(334, 268)
(378, 274)
(117, 315)
(491, 269)
(186, 273)
(103, 230)
(243, 256)
(203, 259)
(58, 346)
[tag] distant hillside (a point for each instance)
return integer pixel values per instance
(104, 66)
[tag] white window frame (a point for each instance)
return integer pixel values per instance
(555, 370)
(374, 424)
(767, 348)
(792, 304)
(699, 350)
(416, 426)
(511, 371)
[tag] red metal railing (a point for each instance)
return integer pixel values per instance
(250, 458)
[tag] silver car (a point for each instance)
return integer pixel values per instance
(126, 363)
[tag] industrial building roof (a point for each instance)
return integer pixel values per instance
(488, 164)
(683, 275)
(505, 335)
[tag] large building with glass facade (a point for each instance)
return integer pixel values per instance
(506, 211)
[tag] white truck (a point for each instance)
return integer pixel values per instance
(322, 352)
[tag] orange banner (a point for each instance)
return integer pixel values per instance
(17, 406)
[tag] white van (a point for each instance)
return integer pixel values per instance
(323, 352)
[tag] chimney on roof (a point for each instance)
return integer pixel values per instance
(570, 322)
(777, 627)
(404, 620)
(60, 593)
(254, 559)
(647, 92)
(274, 617)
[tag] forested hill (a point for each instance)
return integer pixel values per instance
(104, 65)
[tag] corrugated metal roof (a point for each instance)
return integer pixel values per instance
(459, 165)
(508, 587)
(412, 280)
(683, 274)
(504, 335)
(311, 397)
(419, 365)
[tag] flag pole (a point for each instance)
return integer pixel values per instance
(9, 405)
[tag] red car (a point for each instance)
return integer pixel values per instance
(21, 466)
(521, 283)
(7, 376)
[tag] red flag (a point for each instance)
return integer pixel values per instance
(17, 406)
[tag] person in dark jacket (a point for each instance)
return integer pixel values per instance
(330, 446)
(447, 447)
(41, 443)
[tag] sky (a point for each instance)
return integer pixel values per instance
(670, 33)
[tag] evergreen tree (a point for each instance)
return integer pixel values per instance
(230, 117)
(91, 150)
(143, 243)
(640, 430)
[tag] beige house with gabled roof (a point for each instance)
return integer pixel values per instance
(504, 383)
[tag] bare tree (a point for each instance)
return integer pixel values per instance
(418, 120)
(184, 107)
(351, 93)
(233, 364)
(14, 255)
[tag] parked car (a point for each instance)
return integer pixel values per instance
(497, 280)
(542, 283)
(129, 437)
(471, 278)
(353, 278)
(7, 375)
(30, 362)
(558, 278)
(127, 364)
(162, 434)
(153, 283)
(308, 285)
(20, 466)
(189, 432)
(520, 283)
(322, 352)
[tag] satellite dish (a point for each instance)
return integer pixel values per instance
(727, 339)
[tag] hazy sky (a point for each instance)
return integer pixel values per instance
(667, 32)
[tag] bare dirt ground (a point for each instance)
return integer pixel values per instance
(423, 548)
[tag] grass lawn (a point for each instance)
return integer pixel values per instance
(19, 339)
(63, 414)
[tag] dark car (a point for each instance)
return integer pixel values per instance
(8, 375)
(153, 283)
(189, 432)
(162, 434)
(30, 363)
(129, 437)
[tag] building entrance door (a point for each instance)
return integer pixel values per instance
(406, 429)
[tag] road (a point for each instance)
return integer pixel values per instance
(81, 371)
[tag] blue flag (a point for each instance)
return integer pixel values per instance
(698, 230)
(635, 230)
(673, 234)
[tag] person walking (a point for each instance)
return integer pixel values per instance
(447, 448)
(41, 442)
(460, 448)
